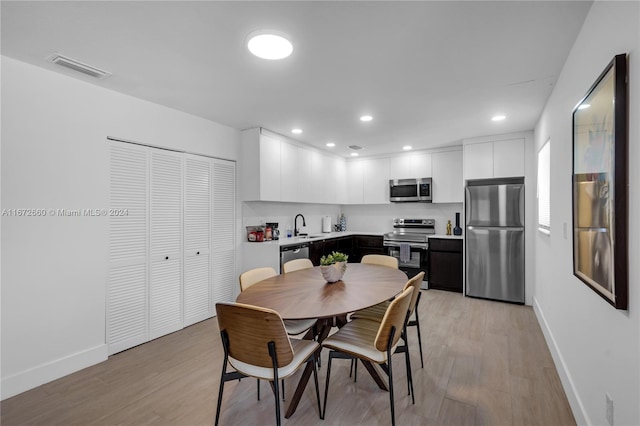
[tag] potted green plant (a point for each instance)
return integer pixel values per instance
(333, 266)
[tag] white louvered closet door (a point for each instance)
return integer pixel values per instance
(197, 237)
(165, 284)
(128, 257)
(223, 236)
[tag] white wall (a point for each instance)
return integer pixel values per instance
(379, 217)
(596, 347)
(54, 156)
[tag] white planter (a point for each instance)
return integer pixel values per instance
(333, 273)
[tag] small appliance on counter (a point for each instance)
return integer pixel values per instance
(255, 234)
(326, 224)
(275, 232)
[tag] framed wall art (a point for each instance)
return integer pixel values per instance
(600, 214)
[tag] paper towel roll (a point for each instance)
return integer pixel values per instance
(326, 224)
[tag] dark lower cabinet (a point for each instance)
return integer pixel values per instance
(445, 264)
(317, 249)
(367, 244)
(354, 246)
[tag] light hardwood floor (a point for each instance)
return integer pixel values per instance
(486, 363)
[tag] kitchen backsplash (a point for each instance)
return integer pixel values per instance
(380, 216)
(363, 218)
(257, 212)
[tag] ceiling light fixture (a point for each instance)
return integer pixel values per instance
(268, 44)
(407, 147)
(331, 144)
(354, 154)
(366, 118)
(498, 117)
(296, 131)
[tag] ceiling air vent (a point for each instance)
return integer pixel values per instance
(355, 147)
(76, 65)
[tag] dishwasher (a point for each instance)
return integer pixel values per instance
(295, 251)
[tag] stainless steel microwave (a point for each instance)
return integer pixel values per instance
(410, 190)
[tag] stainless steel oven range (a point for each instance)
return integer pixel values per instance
(409, 243)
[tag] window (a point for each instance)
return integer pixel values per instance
(544, 188)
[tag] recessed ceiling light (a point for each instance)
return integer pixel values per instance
(331, 144)
(366, 118)
(498, 117)
(296, 131)
(354, 154)
(584, 106)
(407, 147)
(267, 44)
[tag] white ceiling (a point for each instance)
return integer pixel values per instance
(431, 73)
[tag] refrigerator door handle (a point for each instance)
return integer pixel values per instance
(467, 210)
(496, 228)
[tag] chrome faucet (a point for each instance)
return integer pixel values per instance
(296, 231)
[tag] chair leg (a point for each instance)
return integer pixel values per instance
(418, 327)
(407, 360)
(276, 393)
(221, 389)
(315, 379)
(326, 386)
(282, 381)
(354, 369)
(393, 409)
(258, 383)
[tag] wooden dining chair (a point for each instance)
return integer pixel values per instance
(362, 339)
(376, 312)
(296, 265)
(256, 344)
(380, 259)
(249, 278)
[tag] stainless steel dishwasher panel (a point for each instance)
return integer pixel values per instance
(296, 251)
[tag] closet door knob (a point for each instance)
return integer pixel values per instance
(166, 258)
(197, 252)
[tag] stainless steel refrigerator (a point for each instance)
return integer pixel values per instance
(495, 239)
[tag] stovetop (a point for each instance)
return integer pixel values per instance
(411, 230)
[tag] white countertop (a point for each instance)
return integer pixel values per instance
(451, 237)
(315, 237)
(324, 236)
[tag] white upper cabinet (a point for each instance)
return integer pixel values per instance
(274, 168)
(421, 165)
(447, 177)
(494, 159)
(355, 179)
(408, 166)
(400, 167)
(289, 172)
(341, 181)
(269, 168)
(478, 160)
(508, 158)
(375, 174)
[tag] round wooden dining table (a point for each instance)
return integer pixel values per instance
(306, 294)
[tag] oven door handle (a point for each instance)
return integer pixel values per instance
(412, 245)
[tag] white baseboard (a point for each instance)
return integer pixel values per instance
(579, 413)
(44, 373)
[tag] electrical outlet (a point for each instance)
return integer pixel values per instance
(609, 403)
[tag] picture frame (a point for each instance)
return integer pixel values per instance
(599, 185)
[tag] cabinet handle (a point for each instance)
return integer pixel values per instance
(197, 252)
(166, 258)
